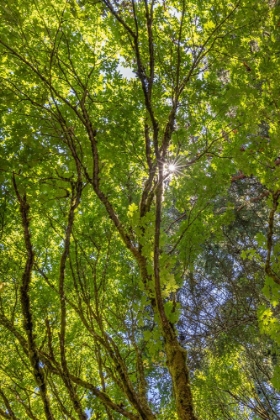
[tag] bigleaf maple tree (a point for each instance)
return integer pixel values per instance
(139, 209)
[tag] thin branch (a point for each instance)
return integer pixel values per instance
(268, 269)
(26, 305)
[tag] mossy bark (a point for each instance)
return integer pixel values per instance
(177, 365)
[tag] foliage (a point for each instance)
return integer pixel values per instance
(139, 209)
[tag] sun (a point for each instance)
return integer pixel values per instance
(172, 167)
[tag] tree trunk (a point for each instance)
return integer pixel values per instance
(176, 362)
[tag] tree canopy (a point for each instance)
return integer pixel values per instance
(139, 212)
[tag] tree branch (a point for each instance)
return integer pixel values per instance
(26, 305)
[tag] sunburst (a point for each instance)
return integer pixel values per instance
(174, 167)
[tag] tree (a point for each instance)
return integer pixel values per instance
(114, 189)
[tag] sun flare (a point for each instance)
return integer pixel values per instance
(172, 167)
